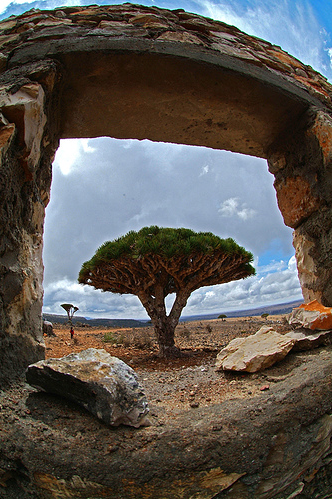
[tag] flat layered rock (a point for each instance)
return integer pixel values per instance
(307, 340)
(102, 384)
(255, 352)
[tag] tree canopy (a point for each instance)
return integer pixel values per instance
(155, 262)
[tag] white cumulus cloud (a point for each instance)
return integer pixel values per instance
(69, 153)
(329, 51)
(264, 288)
(232, 207)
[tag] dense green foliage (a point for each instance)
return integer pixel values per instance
(165, 242)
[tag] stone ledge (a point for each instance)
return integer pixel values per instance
(260, 448)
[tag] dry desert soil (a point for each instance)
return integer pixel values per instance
(174, 385)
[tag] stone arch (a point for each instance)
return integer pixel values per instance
(137, 72)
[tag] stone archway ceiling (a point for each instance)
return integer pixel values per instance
(145, 72)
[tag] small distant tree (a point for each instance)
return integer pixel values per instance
(70, 309)
(155, 262)
(264, 316)
(223, 317)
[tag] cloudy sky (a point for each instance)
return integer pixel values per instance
(103, 187)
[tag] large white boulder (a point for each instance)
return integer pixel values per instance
(255, 352)
(102, 384)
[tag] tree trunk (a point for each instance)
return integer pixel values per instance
(165, 336)
(164, 325)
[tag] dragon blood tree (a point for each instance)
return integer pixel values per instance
(155, 262)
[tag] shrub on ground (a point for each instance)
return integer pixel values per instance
(184, 333)
(109, 337)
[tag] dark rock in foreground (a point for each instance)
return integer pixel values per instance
(102, 384)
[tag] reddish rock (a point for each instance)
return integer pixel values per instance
(322, 129)
(306, 266)
(312, 316)
(295, 200)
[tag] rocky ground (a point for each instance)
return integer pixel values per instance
(233, 425)
(178, 384)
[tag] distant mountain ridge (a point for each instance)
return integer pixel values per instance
(63, 319)
(279, 309)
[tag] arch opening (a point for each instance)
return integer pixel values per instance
(102, 188)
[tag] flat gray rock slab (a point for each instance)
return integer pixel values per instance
(306, 339)
(102, 384)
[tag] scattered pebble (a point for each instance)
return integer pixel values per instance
(216, 427)
(194, 404)
(113, 448)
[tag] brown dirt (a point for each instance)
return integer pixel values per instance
(174, 385)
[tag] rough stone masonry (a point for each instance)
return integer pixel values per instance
(141, 72)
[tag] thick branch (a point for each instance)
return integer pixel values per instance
(179, 303)
(152, 272)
